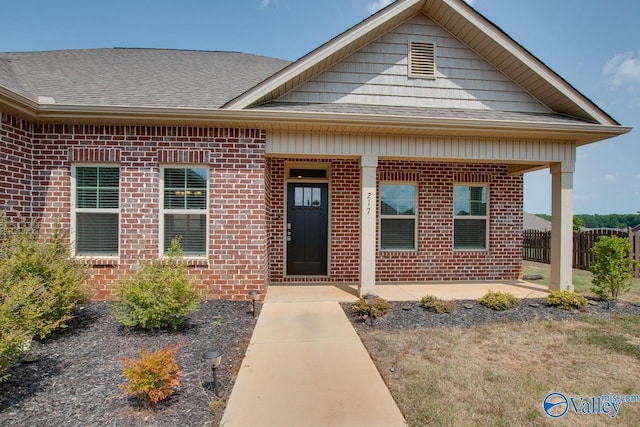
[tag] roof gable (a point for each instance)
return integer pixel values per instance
(378, 74)
(462, 22)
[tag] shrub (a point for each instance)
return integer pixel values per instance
(38, 279)
(499, 301)
(159, 295)
(566, 300)
(436, 305)
(152, 377)
(379, 308)
(612, 269)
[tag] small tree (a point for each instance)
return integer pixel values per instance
(612, 268)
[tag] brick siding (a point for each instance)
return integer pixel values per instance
(15, 167)
(247, 205)
(435, 259)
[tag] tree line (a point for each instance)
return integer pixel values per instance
(620, 221)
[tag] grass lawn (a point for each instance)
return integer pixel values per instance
(499, 375)
(581, 280)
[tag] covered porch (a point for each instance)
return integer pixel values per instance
(402, 291)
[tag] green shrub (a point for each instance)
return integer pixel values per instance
(39, 278)
(566, 300)
(379, 308)
(612, 269)
(499, 301)
(436, 305)
(159, 295)
(152, 377)
(39, 287)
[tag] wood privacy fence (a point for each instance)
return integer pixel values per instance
(537, 246)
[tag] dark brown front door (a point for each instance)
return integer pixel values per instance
(307, 222)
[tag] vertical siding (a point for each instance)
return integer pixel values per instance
(377, 74)
(503, 150)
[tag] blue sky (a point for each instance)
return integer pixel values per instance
(593, 44)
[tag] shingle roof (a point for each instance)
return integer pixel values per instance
(135, 77)
(433, 113)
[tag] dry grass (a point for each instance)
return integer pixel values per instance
(499, 374)
(581, 280)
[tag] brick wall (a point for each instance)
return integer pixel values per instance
(237, 252)
(15, 167)
(435, 259)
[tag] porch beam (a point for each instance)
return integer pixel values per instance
(562, 226)
(368, 212)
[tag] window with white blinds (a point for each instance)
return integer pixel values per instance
(398, 217)
(184, 215)
(470, 217)
(97, 207)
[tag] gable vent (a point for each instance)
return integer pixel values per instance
(422, 62)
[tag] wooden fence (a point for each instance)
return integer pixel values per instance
(537, 246)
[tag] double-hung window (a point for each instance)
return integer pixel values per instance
(470, 221)
(398, 217)
(96, 210)
(184, 212)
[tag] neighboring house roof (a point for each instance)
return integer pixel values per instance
(142, 77)
(534, 222)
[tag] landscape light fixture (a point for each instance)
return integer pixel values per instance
(254, 296)
(368, 298)
(213, 358)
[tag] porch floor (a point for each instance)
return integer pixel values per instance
(402, 292)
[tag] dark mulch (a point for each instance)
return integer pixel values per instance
(75, 381)
(407, 315)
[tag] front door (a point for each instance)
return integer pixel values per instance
(307, 222)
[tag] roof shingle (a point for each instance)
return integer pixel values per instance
(135, 77)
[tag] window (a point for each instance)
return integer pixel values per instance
(398, 217)
(97, 202)
(470, 217)
(185, 209)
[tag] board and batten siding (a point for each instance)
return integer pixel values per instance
(417, 147)
(377, 75)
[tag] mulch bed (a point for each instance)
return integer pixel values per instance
(407, 315)
(75, 381)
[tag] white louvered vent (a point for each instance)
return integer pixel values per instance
(422, 60)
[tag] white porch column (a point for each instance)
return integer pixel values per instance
(562, 226)
(368, 212)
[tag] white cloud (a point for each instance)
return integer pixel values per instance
(623, 70)
(638, 176)
(378, 4)
(264, 3)
(471, 2)
(610, 178)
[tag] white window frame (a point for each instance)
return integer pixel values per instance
(204, 211)
(75, 210)
(484, 217)
(414, 217)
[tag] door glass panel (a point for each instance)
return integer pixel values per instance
(299, 197)
(308, 196)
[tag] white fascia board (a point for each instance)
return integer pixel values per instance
(530, 61)
(321, 53)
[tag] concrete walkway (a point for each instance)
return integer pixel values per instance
(306, 367)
